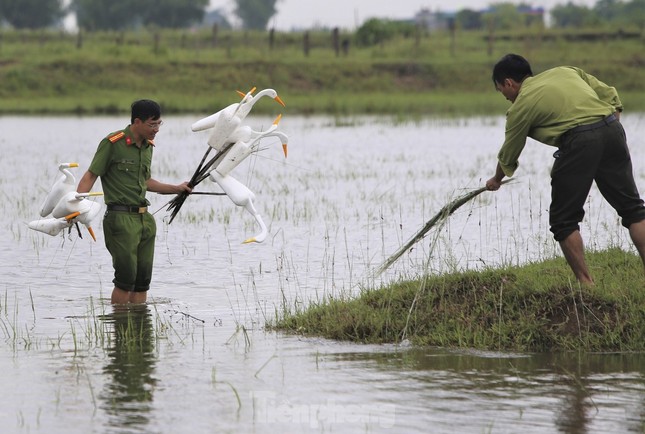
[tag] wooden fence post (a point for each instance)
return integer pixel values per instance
(305, 44)
(157, 39)
(491, 38)
(214, 32)
(452, 26)
(335, 40)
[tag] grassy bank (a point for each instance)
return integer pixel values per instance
(198, 72)
(535, 307)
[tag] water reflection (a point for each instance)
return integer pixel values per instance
(127, 398)
(581, 392)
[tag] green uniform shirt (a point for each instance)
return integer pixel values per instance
(551, 103)
(124, 168)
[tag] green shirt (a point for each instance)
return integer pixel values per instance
(124, 168)
(551, 103)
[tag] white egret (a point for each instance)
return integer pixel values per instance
(245, 133)
(284, 139)
(227, 120)
(232, 140)
(85, 211)
(241, 196)
(64, 184)
(246, 106)
(211, 121)
(53, 226)
(246, 142)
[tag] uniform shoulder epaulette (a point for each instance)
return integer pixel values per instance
(116, 137)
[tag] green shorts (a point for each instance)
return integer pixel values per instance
(130, 239)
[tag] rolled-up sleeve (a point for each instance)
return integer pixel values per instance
(517, 130)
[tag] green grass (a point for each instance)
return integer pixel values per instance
(49, 73)
(535, 307)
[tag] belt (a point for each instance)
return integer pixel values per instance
(601, 123)
(128, 208)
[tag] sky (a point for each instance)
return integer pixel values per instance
(350, 14)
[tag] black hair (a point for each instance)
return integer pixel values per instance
(511, 66)
(145, 109)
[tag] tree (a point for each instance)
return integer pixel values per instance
(172, 13)
(635, 13)
(124, 14)
(503, 16)
(31, 14)
(106, 15)
(373, 31)
(255, 14)
(571, 15)
(609, 10)
(468, 19)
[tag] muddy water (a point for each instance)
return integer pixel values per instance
(197, 358)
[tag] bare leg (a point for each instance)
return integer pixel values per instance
(138, 297)
(573, 250)
(637, 233)
(120, 296)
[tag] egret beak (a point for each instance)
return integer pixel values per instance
(284, 149)
(73, 165)
(89, 194)
(249, 240)
(279, 101)
(242, 94)
(91, 231)
(277, 120)
(72, 216)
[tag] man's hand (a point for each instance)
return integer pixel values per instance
(493, 184)
(184, 187)
(155, 186)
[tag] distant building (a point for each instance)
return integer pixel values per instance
(429, 20)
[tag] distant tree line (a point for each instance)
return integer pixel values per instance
(31, 14)
(507, 16)
(612, 12)
(127, 14)
(256, 14)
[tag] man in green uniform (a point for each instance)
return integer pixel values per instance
(123, 161)
(580, 115)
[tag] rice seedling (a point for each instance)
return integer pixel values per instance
(257, 373)
(17, 335)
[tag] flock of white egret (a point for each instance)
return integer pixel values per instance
(66, 206)
(233, 142)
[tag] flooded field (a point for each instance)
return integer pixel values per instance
(197, 357)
